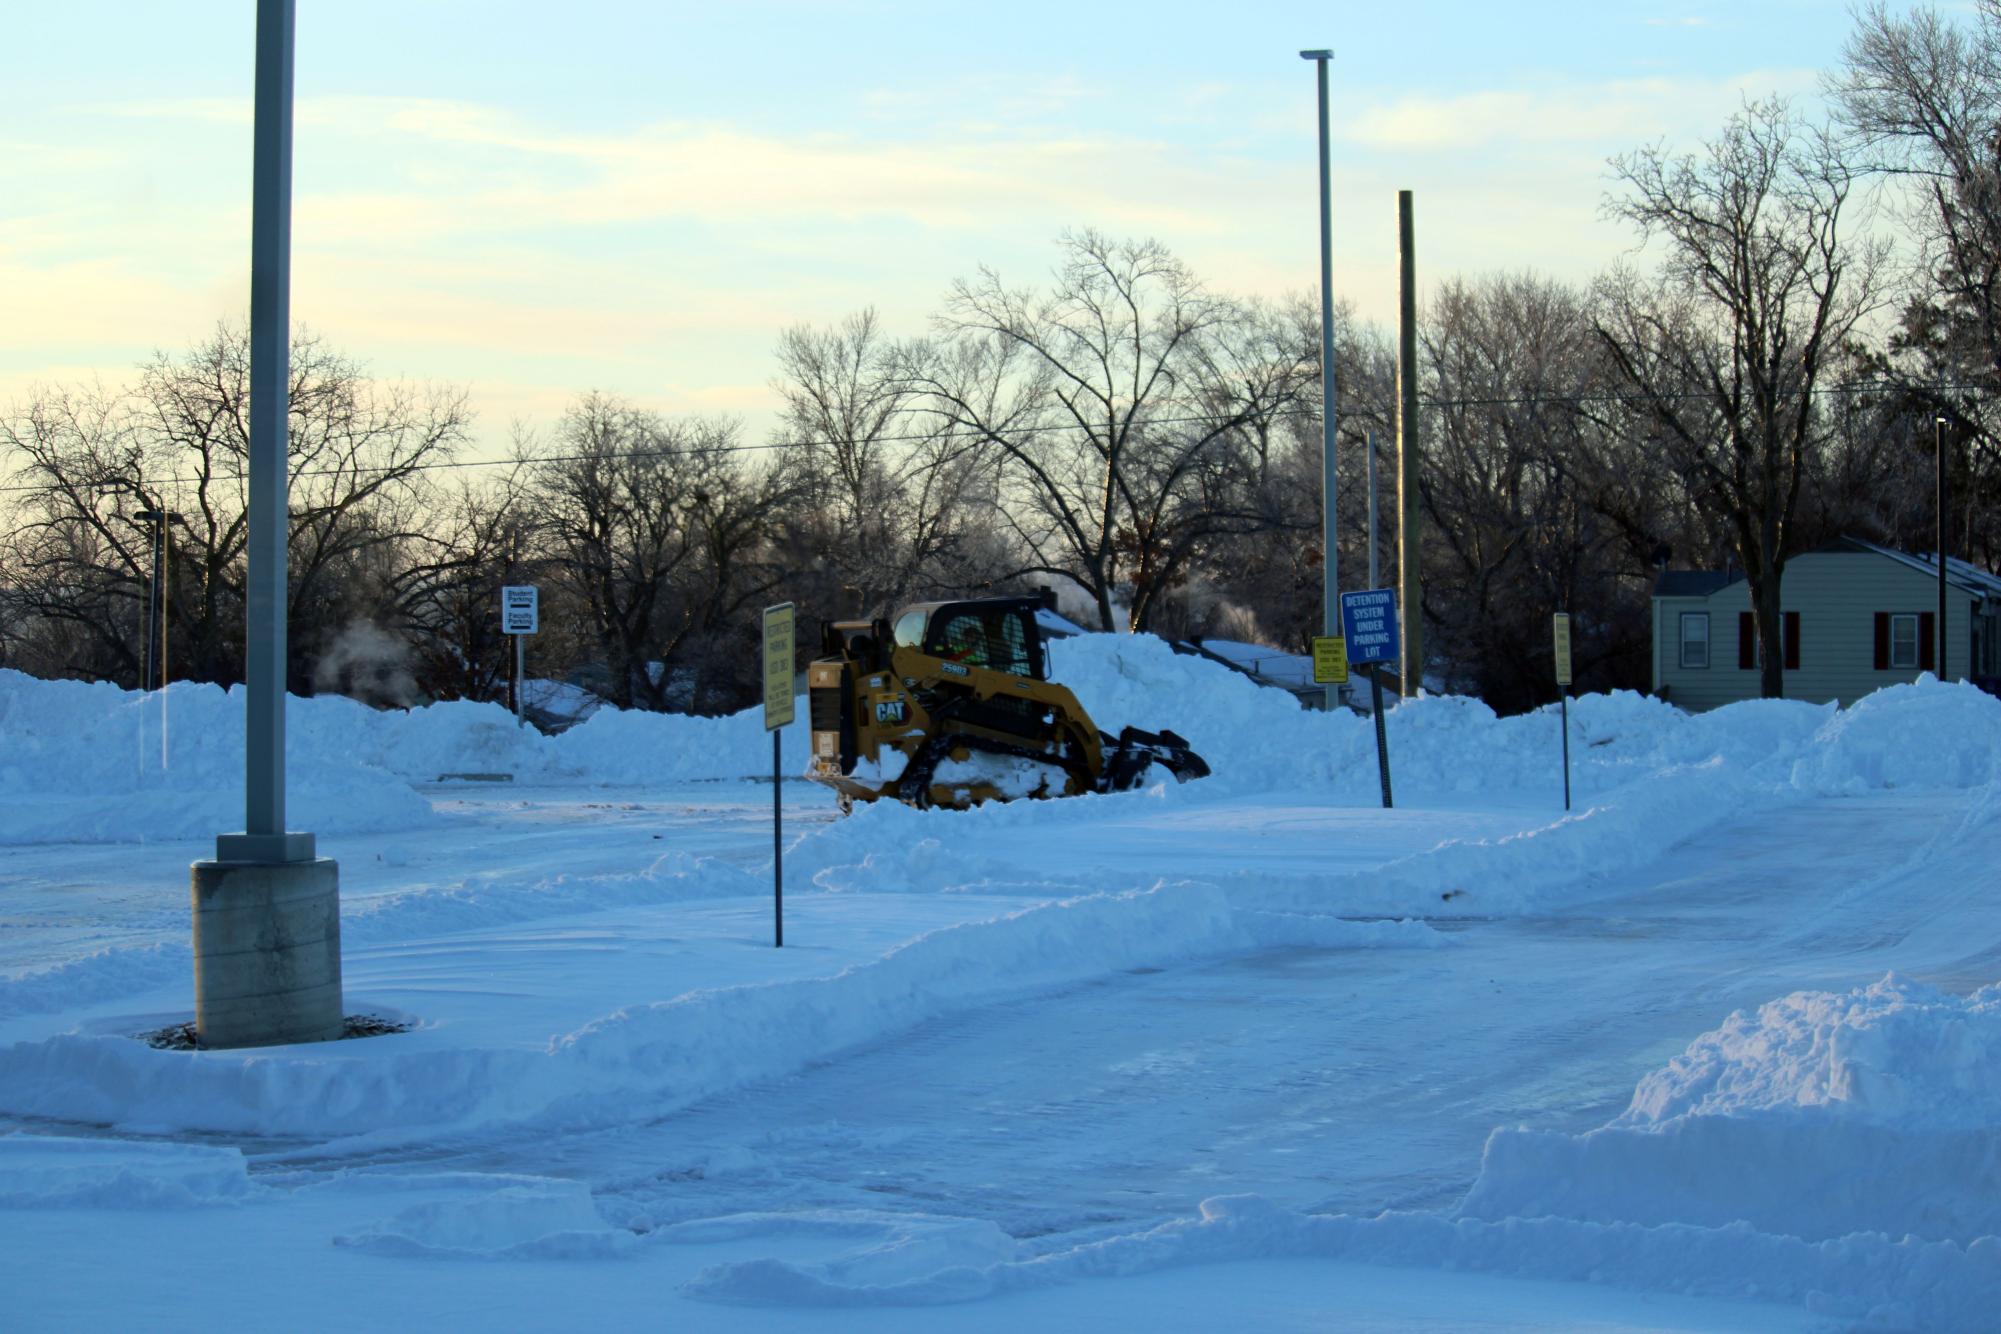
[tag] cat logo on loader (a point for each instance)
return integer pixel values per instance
(950, 705)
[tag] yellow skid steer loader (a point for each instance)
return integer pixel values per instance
(950, 705)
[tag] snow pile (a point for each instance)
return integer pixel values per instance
(530, 1218)
(479, 901)
(1832, 1152)
(1923, 735)
(497, 898)
(635, 747)
(1258, 739)
(86, 763)
(1820, 1115)
(1908, 1284)
(43, 1172)
(663, 1055)
(1895, 1053)
(893, 1259)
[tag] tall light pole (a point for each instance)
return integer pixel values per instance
(1330, 572)
(264, 837)
(267, 909)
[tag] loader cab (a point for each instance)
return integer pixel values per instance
(996, 633)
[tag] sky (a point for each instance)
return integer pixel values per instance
(533, 200)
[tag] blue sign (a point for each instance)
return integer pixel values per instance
(1369, 623)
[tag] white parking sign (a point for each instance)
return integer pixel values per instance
(520, 609)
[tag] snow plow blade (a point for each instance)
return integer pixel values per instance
(1130, 754)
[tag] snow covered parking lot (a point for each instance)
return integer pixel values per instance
(1713, 1052)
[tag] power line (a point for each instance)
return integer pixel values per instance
(1863, 387)
(1211, 419)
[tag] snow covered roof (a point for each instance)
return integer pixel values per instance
(1052, 623)
(1291, 670)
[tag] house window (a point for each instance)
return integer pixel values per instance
(1695, 639)
(1903, 642)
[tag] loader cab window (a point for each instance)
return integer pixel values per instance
(909, 631)
(1008, 643)
(995, 637)
(963, 638)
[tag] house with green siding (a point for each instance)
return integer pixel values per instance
(1857, 617)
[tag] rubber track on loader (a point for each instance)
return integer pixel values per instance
(915, 785)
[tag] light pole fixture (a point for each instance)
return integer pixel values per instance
(1330, 575)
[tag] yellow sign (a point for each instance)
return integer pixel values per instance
(1330, 660)
(778, 666)
(1563, 648)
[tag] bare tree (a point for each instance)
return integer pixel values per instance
(1112, 409)
(655, 530)
(1922, 96)
(179, 442)
(887, 507)
(76, 571)
(1510, 489)
(442, 588)
(1762, 280)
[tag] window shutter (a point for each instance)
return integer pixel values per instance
(1927, 632)
(1882, 641)
(1792, 641)
(1747, 641)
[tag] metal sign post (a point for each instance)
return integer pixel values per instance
(520, 616)
(779, 669)
(1562, 650)
(1369, 623)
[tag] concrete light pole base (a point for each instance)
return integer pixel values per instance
(267, 952)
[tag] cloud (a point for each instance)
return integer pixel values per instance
(1632, 111)
(696, 170)
(205, 110)
(528, 259)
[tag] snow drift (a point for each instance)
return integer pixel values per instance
(1901, 1285)
(93, 763)
(1835, 1152)
(1818, 1116)
(650, 1058)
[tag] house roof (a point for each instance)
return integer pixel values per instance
(1692, 583)
(1969, 577)
(1962, 575)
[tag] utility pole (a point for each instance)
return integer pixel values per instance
(1410, 544)
(1939, 425)
(1374, 542)
(1375, 669)
(1330, 574)
(153, 670)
